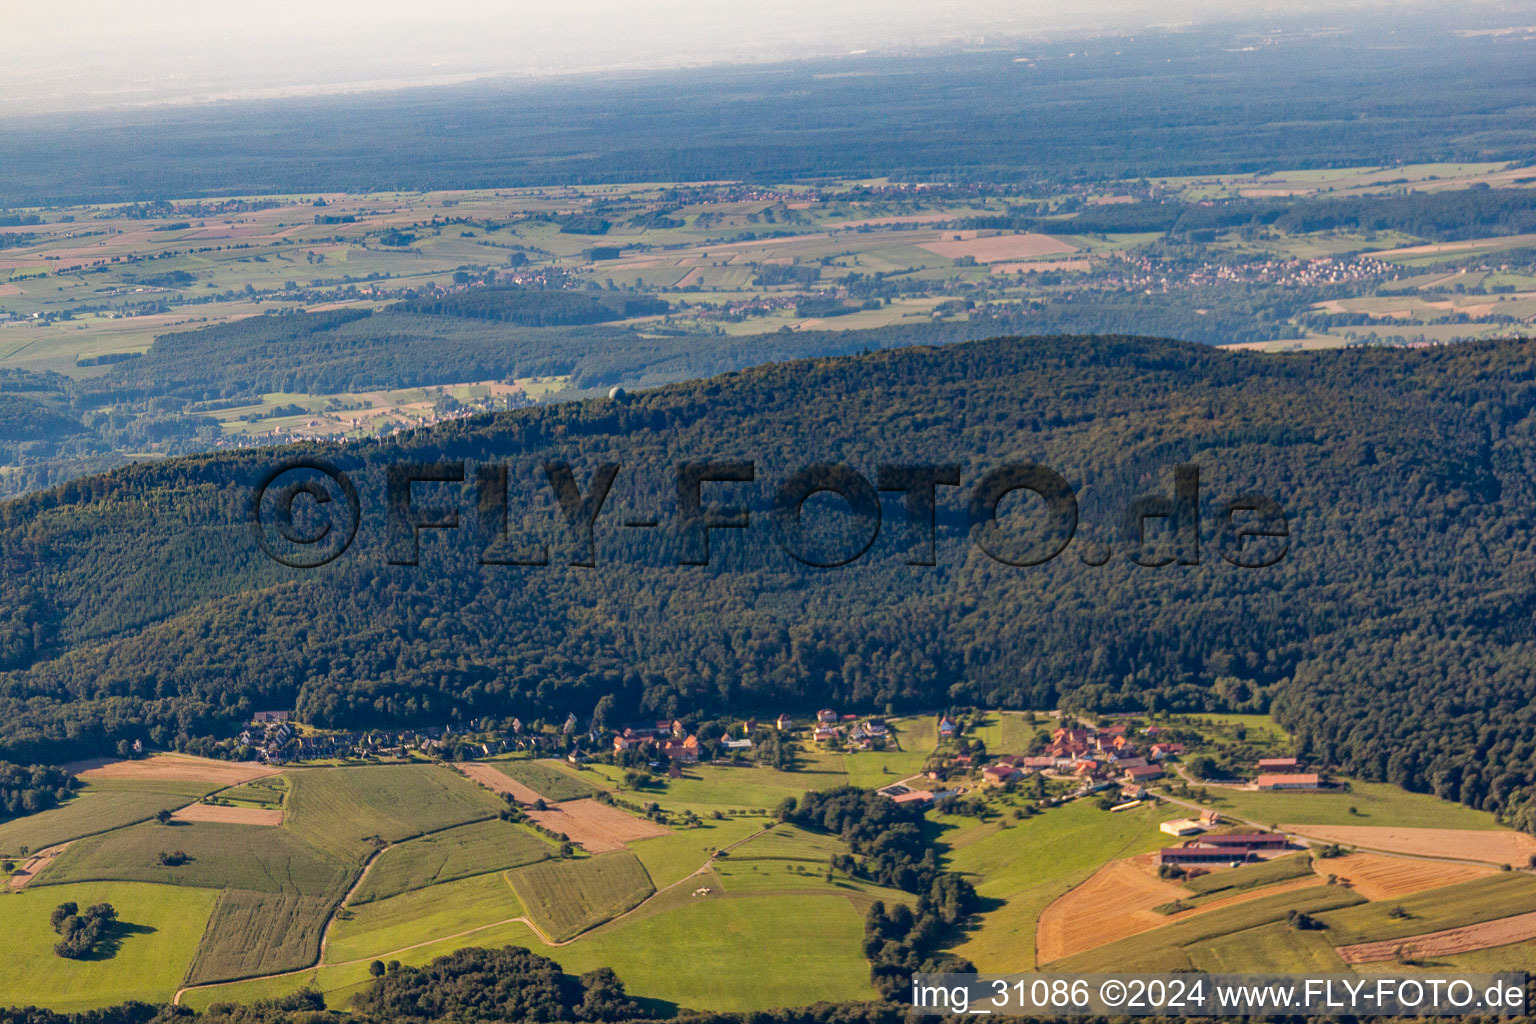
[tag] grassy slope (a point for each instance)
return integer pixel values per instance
(1450, 907)
(792, 965)
(160, 929)
(1268, 948)
(256, 933)
(1377, 802)
(421, 915)
(678, 854)
(337, 810)
(1033, 863)
(98, 808)
(566, 897)
(265, 859)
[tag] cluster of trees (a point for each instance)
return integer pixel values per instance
(887, 840)
(81, 932)
(27, 789)
(508, 984)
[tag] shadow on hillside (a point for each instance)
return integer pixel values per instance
(109, 946)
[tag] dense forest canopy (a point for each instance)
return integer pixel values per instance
(1395, 637)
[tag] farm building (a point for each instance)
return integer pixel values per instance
(1203, 855)
(1296, 780)
(1182, 827)
(1143, 773)
(1251, 840)
(999, 773)
(1278, 765)
(920, 797)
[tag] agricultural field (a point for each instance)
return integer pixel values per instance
(1168, 948)
(99, 807)
(339, 810)
(1453, 906)
(1364, 803)
(451, 854)
(219, 855)
(421, 915)
(407, 862)
(255, 933)
(150, 947)
(1378, 877)
(546, 779)
(566, 897)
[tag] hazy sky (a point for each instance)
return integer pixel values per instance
(70, 54)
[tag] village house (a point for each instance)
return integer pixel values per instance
(783, 723)
(826, 733)
(997, 774)
(947, 727)
(826, 715)
(1162, 750)
(1143, 773)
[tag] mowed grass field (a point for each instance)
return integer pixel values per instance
(566, 897)
(1268, 948)
(421, 915)
(800, 949)
(1376, 803)
(100, 807)
(1025, 867)
(547, 780)
(683, 851)
(151, 947)
(339, 810)
(455, 853)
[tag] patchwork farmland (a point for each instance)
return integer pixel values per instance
(302, 875)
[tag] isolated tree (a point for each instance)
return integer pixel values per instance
(376, 969)
(163, 816)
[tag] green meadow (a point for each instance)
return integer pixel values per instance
(147, 952)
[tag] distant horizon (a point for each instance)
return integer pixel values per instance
(142, 55)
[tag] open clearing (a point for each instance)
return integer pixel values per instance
(1491, 847)
(1499, 932)
(596, 827)
(999, 248)
(229, 815)
(181, 767)
(1379, 877)
(99, 808)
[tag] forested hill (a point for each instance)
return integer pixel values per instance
(1396, 636)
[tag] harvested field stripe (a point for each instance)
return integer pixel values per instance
(1499, 932)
